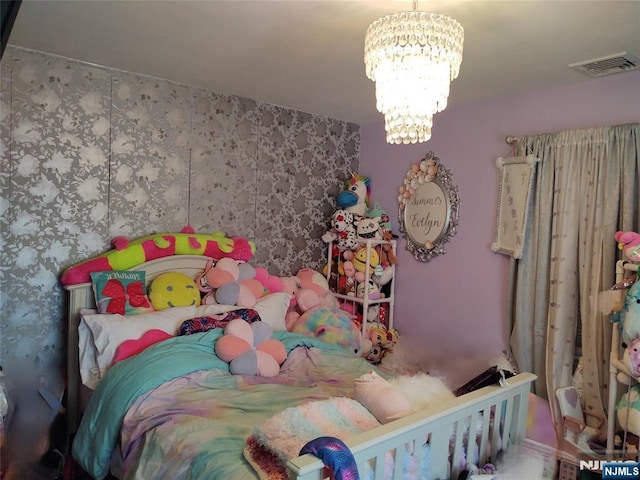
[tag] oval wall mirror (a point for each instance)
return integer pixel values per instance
(428, 208)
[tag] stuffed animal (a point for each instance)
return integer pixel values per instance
(368, 228)
(331, 325)
(629, 316)
(629, 243)
(369, 288)
(250, 349)
(628, 410)
(270, 283)
(311, 290)
(360, 260)
(631, 357)
(229, 282)
(343, 230)
(128, 253)
(355, 194)
(173, 289)
(382, 339)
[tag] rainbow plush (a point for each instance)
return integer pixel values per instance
(128, 253)
(331, 325)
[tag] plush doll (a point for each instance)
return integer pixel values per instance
(331, 325)
(311, 290)
(382, 339)
(229, 282)
(629, 243)
(250, 349)
(351, 277)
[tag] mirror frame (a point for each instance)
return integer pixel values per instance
(429, 171)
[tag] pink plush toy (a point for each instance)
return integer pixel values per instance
(229, 282)
(310, 290)
(250, 349)
(271, 283)
(629, 243)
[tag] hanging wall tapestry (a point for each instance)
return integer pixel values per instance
(516, 182)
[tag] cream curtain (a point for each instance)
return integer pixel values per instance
(586, 188)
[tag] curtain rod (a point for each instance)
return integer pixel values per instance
(510, 139)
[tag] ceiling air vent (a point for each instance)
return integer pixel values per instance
(616, 63)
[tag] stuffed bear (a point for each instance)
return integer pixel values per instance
(250, 349)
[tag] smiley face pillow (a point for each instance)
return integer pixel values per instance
(173, 289)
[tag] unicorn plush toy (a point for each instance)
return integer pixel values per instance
(355, 195)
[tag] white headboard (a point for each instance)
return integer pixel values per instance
(81, 296)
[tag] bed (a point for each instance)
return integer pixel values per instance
(175, 411)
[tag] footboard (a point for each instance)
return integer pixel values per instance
(434, 443)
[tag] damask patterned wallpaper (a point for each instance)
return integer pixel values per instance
(89, 153)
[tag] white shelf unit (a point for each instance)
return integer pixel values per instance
(616, 366)
(334, 279)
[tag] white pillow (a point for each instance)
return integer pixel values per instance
(273, 308)
(100, 335)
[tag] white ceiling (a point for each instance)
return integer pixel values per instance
(308, 55)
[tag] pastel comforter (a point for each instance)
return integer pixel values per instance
(174, 411)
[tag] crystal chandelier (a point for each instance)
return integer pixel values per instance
(412, 57)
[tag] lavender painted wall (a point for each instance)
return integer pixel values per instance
(457, 301)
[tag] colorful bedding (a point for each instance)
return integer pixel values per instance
(184, 416)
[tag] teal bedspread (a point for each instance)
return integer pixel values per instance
(174, 411)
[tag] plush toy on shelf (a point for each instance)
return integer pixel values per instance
(343, 230)
(629, 316)
(629, 243)
(355, 195)
(250, 349)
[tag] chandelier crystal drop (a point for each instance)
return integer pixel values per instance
(412, 57)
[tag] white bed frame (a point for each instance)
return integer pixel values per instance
(508, 405)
